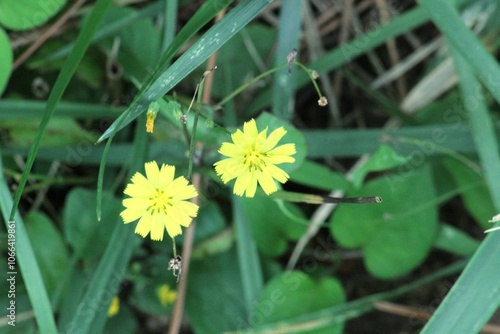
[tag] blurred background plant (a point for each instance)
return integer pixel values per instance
(412, 91)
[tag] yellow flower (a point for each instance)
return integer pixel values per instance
(114, 308)
(159, 202)
(151, 116)
(253, 158)
(165, 295)
(150, 121)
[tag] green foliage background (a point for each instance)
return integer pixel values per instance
(418, 129)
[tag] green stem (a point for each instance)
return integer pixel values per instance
(309, 73)
(246, 85)
(174, 248)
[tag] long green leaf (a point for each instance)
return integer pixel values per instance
(248, 256)
(30, 109)
(475, 296)
(210, 42)
(353, 143)
(27, 262)
(69, 68)
(288, 39)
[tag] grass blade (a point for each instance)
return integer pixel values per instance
(475, 296)
(27, 263)
(353, 143)
(248, 257)
(288, 39)
(31, 109)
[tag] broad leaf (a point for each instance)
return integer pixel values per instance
(27, 14)
(397, 234)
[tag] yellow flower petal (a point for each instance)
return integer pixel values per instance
(229, 150)
(188, 208)
(172, 225)
(279, 174)
(266, 182)
(137, 203)
(273, 139)
(166, 176)
(152, 173)
(158, 226)
(250, 129)
(144, 226)
(140, 187)
(286, 149)
(242, 183)
(229, 169)
(252, 184)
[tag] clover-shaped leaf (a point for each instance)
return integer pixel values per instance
(397, 234)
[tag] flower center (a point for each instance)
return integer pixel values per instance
(254, 160)
(159, 202)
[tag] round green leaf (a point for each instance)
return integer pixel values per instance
(293, 294)
(27, 14)
(5, 59)
(397, 234)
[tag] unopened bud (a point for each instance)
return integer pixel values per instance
(322, 102)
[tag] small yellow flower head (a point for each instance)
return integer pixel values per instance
(114, 308)
(166, 295)
(322, 102)
(253, 158)
(151, 116)
(159, 202)
(150, 121)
